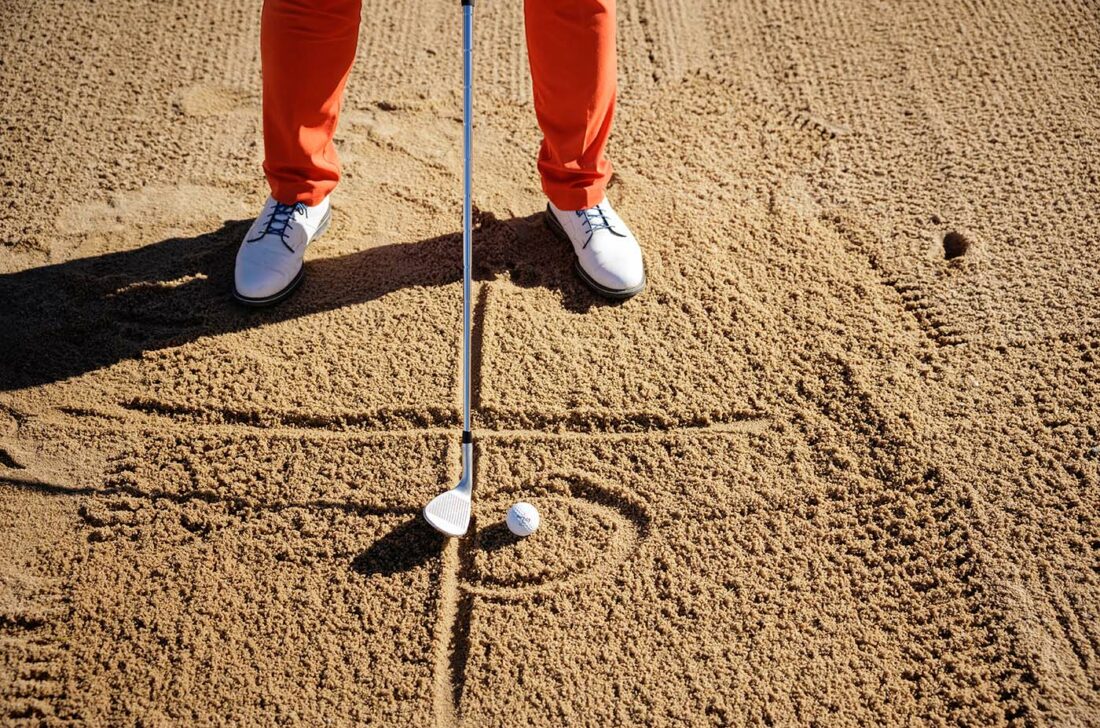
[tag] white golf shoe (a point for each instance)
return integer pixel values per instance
(608, 257)
(269, 261)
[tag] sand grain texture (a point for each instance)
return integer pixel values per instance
(838, 465)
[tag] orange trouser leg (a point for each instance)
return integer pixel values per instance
(571, 49)
(306, 48)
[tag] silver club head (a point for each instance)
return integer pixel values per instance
(450, 513)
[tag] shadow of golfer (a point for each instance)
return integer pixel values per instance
(62, 320)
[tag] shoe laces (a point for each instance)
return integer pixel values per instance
(594, 218)
(278, 222)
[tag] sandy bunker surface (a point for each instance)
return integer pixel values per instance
(839, 464)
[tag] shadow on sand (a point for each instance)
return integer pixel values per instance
(62, 320)
(409, 545)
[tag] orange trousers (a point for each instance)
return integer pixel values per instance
(307, 48)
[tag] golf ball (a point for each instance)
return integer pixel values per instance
(523, 519)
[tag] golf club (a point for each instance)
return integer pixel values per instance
(450, 513)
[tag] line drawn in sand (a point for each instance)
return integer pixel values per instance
(483, 568)
(468, 571)
(468, 567)
(479, 569)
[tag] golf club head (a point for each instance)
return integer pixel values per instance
(450, 513)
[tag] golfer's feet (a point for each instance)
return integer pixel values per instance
(269, 261)
(608, 257)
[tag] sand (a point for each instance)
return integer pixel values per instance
(839, 464)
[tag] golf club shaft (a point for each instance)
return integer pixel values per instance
(467, 226)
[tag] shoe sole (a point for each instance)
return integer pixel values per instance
(290, 287)
(617, 294)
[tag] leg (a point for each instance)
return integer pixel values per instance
(306, 48)
(571, 49)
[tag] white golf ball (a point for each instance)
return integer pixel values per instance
(523, 519)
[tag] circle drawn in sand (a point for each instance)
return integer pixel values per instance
(588, 530)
